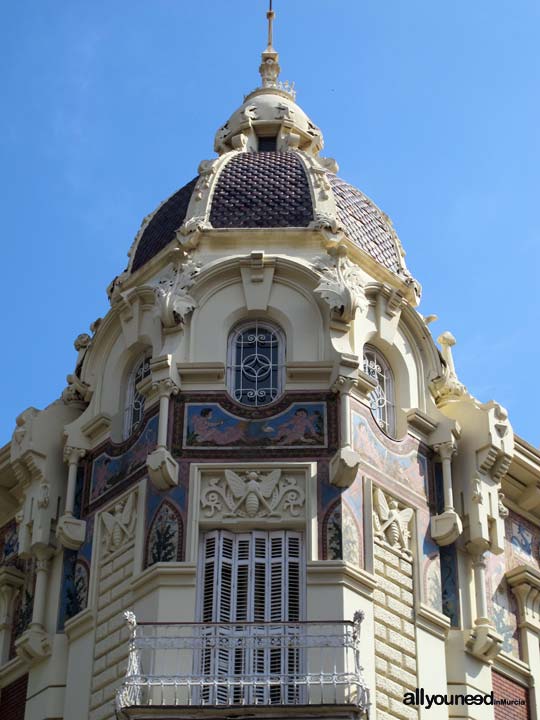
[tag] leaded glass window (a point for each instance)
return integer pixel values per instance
(381, 399)
(134, 411)
(256, 361)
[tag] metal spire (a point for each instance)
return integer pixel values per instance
(269, 68)
(270, 15)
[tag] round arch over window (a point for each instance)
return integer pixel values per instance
(381, 398)
(134, 407)
(256, 360)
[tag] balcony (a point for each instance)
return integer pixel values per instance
(213, 670)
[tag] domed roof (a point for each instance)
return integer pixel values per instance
(262, 190)
(273, 189)
(268, 174)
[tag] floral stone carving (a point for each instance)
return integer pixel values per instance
(172, 294)
(251, 494)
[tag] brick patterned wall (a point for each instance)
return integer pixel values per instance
(13, 699)
(112, 634)
(503, 687)
(395, 645)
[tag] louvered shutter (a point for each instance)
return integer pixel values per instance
(251, 577)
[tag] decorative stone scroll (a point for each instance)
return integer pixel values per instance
(341, 285)
(252, 494)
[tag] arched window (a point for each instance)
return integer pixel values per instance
(256, 362)
(382, 397)
(134, 409)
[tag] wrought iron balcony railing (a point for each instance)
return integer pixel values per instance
(240, 664)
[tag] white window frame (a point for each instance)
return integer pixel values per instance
(232, 367)
(132, 395)
(382, 398)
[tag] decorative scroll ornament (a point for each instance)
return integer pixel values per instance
(194, 224)
(172, 297)
(447, 388)
(341, 285)
(252, 495)
(207, 169)
(325, 221)
(119, 524)
(391, 525)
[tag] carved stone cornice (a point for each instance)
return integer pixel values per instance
(97, 426)
(525, 583)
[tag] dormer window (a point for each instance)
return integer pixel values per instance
(256, 363)
(381, 399)
(134, 409)
(268, 144)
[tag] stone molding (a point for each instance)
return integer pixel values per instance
(341, 572)
(159, 575)
(432, 621)
(80, 624)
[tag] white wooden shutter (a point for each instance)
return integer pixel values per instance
(251, 577)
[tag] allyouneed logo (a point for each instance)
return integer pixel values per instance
(423, 699)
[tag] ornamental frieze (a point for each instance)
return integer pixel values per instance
(252, 494)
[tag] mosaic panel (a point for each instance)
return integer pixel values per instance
(208, 425)
(449, 582)
(341, 521)
(400, 461)
(76, 577)
(522, 546)
(502, 607)
(109, 469)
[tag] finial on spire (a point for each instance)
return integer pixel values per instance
(269, 68)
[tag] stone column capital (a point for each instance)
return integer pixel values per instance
(72, 455)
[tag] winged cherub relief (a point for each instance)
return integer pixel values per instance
(390, 524)
(119, 524)
(252, 494)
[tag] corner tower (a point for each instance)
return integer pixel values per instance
(264, 489)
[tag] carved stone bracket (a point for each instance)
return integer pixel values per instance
(344, 467)
(162, 469)
(525, 583)
(71, 532)
(483, 642)
(33, 645)
(173, 301)
(341, 285)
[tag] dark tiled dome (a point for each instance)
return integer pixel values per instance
(161, 229)
(262, 190)
(272, 190)
(365, 224)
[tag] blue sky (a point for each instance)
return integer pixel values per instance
(430, 108)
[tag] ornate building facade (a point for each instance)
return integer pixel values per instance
(265, 491)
